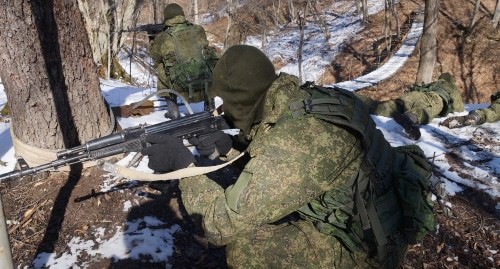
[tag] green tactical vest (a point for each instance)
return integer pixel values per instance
(388, 194)
(190, 72)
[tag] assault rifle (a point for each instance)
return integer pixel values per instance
(129, 140)
(152, 29)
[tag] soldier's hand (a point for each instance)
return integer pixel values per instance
(212, 145)
(460, 121)
(167, 153)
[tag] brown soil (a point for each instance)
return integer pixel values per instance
(47, 211)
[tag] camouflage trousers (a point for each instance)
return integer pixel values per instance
(426, 106)
(301, 245)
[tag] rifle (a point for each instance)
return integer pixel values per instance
(152, 29)
(129, 140)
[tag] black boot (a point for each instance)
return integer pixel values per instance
(410, 123)
(173, 109)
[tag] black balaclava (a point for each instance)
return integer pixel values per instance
(241, 78)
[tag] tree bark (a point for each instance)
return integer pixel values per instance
(428, 44)
(49, 75)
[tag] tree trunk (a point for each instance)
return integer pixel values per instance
(196, 12)
(387, 26)
(428, 44)
(396, 17)
(474, 16)
(49, 75)
(104, 22)
(301, 45)
(364, 8)
(229, 22)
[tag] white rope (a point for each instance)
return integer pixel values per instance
(37, 156)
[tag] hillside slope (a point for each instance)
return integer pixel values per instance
(470, 55)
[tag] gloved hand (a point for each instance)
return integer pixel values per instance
(167, 153)
(461, 121)
(212, 145)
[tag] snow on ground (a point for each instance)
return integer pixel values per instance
(481, 160)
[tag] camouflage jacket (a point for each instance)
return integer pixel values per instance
(281, 175)
(447, 91)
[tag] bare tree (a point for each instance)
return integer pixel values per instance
(229, 15)
(387, 25)
(302, 23)
(196, 12)
(474, 16)
(319, 20)
(49, 75)
(496, 17)
(291, 10)
(104, 21)
(276, 12)
(364, 9)
(394, 12)
(428, 44)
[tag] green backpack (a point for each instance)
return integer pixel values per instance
(390, 193)
(192, 71)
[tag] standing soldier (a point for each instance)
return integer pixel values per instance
(420, 105)
(183, 59)
(478, 116)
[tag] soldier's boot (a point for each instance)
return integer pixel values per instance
(409, 122)
(173, 109)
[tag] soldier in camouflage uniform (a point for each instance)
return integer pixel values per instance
(320, 188)
(420, 105)
(478, 116)
(183, 58)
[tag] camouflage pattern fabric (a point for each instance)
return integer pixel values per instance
(292, 162)
(167, 51)
(492, 112)
(425, 105)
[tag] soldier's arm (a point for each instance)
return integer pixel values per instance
(490, 114)
(159, 48)
(286, 171)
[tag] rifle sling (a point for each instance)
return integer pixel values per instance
(133, 174)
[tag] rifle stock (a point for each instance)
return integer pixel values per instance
(129, 140)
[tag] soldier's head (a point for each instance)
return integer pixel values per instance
(171, 11)
(447, 77)
(241, 79)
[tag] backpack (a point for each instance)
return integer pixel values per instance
(192, 71)
(390, 192)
